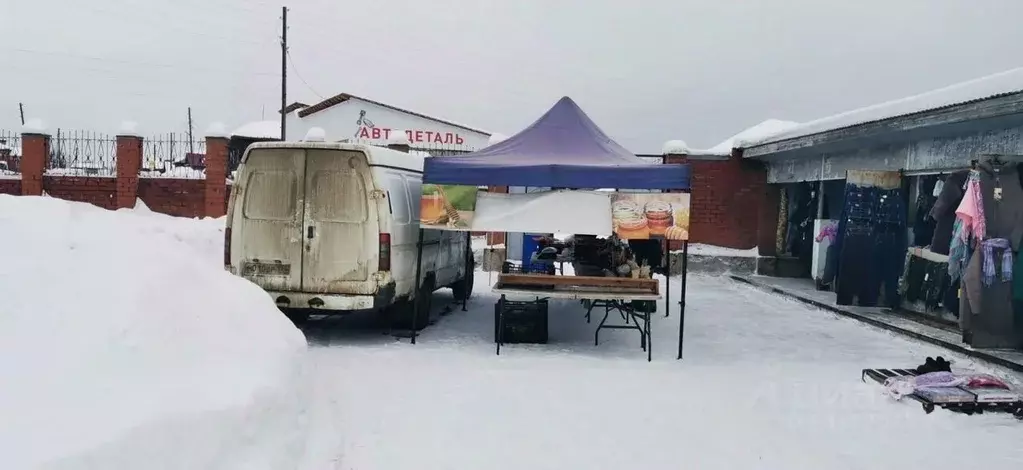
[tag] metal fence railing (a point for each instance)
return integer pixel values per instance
(86, 153)
(173, 154)
(10, 152)
(82, 153)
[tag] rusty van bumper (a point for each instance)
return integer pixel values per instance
(337, 303)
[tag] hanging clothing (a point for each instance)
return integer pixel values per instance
(923, 224)
(989, 266)
(986, 311)
(871, 246)
(969, 226)
(944, 210)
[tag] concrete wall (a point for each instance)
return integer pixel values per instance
(926, 154)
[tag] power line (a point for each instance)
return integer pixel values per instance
(295, 69)
(134, 62)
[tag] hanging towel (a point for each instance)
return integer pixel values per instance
(988, 266)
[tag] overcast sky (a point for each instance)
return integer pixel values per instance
(645, 70)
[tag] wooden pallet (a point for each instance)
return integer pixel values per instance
(623, 285)
(968, 408)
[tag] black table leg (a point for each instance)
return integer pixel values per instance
(500, 324)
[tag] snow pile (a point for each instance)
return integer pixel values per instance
(699, 249)
(675, 147)
(123, 340)
(216, 129)
(259, 130)
(1010, 81)
(129, 128)
(34, 126)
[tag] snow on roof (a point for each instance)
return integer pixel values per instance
(259, 130)
(758, 132)
(991, 86)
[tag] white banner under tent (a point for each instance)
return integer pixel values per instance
(562, 211)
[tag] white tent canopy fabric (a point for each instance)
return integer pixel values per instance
(562, 211)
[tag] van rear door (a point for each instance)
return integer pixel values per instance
(341, 223)
(266, 229)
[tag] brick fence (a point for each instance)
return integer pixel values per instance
(730, 195)
(184, 197)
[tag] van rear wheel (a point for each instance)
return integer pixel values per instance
(404, 310)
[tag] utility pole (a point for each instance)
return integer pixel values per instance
(284, 70)
(191, 142)
(21, 108)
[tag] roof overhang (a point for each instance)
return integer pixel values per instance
(343, 97)
(1000, 111)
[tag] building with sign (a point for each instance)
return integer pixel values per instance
(352, 118)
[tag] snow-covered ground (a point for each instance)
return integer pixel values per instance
(765, 383)
(123, 341)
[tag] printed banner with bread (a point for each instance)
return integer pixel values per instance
(642, 216)
(447, 207)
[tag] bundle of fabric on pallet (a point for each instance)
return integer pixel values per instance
(937, 383)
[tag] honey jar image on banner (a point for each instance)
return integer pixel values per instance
(642, 216)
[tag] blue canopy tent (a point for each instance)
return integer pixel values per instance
(561, 149)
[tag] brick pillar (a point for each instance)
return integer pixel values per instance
(215, 188)
(767, 221)
(35, 157)
(129, 162)
(497, 238)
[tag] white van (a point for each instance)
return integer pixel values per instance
(332, 227)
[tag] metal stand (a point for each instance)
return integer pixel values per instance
(419, 289)
(682, 302)
(627, 311)
(500, 325)
(667, 279)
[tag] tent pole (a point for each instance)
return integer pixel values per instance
(682, 303)
(468, 267)
(419, 288)
(667, 279)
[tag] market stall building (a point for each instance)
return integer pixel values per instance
(886, 167)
